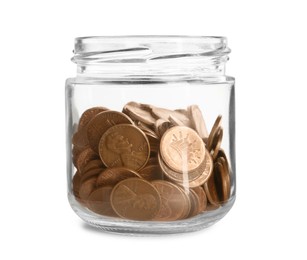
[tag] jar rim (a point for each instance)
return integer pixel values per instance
(154, 37)
(169, 43)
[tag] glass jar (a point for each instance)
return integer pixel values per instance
(150, 133)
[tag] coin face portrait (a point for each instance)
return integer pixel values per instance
(118, 144)
(124, 145)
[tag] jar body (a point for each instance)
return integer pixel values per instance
(213, 98)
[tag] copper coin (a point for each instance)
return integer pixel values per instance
(222, 180)
(124, 145)
(89, 114)
(221, 153)
(153, 160)
(173, 201)
(76, 184)
(79, 138)
(86, 188)
(93, 164)
(91, 173)
(178, 177)
(201, 197)
(162, 113)
(101, 123)
(154, 143)
(99, 201)
(161, 126)
(205, 170)
(187, 202)
(85, 156)
(193, 178)
(216, 126)
(146, 129)
(182, 149)
(197, 121)
(76, 151)
(195, 203)
(216, 143)
(211, 191)
(112, 176)
(136, 112)
(212, 207)
(151, 172)
(175, 121)
(135, 199)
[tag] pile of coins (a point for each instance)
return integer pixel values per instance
(149, 163)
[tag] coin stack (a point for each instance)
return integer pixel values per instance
(149, 163)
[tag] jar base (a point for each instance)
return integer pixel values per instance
(131, 227)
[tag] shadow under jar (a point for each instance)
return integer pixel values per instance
(150, 133)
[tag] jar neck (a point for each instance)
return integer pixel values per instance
(150, 57)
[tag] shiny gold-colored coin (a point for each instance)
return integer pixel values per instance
(111, 176)
(151, 172)
(101, 123)
(99, 201)
(193, 178)
(174, 201)
(182, 149)
(135, 199)
(124, 145)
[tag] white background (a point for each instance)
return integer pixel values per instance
(268, 41)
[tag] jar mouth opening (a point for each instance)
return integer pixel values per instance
(137, 48)
(150, 55)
